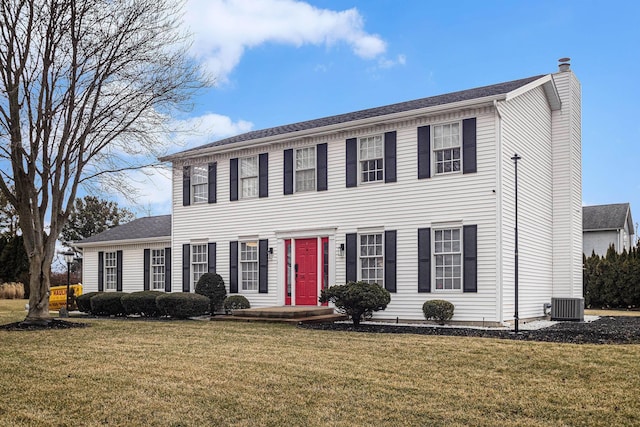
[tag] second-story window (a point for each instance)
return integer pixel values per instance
(446, 147)
(371, 158)
(305, 169)
(199, 184)
(249, 177)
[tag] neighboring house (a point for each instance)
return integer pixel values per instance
(131, 257)
(416, 196)
(606, 225)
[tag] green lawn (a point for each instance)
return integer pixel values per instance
(195, 373)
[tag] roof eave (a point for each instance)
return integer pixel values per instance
(476, 102)
(549, 87)
(123, 242)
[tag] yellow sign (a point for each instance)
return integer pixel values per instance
(58, 296)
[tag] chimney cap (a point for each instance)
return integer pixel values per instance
(564, 59)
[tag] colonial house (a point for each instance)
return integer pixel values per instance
(418, 197)
(606, 225)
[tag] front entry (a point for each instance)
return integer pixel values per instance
(305, 272)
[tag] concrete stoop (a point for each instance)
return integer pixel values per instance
(285, 314)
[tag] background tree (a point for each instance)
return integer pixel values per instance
(86, 87)
(90, 216)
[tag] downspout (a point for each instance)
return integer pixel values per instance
(498, 189)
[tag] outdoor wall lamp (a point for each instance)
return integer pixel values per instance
(341, 249)
(270, 253)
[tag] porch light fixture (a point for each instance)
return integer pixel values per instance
(341, 249)
(515, 159)
(270, 253)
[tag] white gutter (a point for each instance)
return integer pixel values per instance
(499, 269)
(124, 242)
(344, 126)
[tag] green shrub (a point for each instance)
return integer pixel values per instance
(357, 299)
(211, 286)
(235, 302)
(107, 304)
(182, 304)
(84, 301)
(439, 310)
(142, 303)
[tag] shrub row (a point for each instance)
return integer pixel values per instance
(612, 281)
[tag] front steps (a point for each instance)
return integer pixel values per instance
(285, 314)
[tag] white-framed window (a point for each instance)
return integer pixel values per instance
(371, 158)
(249, 266)
(157, 269)
(447, 252)
(249, 177)
(110, 271)
(447, 148)
(199, 262)
(371, 258)
(305, 169)
(199, 184)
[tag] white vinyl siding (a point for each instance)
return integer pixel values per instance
(447, 254)
(199, 262)
(447, 147)
(249, 177)
(199, 186)
(110, 271)
(249, 266)
(371, 258)
(157, 269)
(305, 165)
(371, 156)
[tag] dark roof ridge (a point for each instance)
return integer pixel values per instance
(140, 228)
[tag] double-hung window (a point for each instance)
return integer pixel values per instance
(110, 270)
(305, 169)
(199, 186)
(371, 158)
(371, 259)
(199, 262)
(447, 147)
(157, 269)
(249, 177)
(249, 266)
(448, 259)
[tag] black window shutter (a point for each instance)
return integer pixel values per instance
(147, 269)
(233, 267)
(390, 238)
(186, 267)
(470, 283)
(263, 175)
(424, 152)
(186, 185)
(100, 271)
(390, 156)
(263, 264)
(352, 257)
(424, 260)
(119, 271)
(213, 182)
(469, 145)
(352, 162)
(233, 179)
(288, 171)
(211, 257)
(167, 269)
(321, 167)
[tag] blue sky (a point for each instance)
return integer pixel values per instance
(283, 61)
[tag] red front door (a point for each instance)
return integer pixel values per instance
(306, 272)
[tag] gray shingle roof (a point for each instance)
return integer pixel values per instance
(465, 95)
(607, 217)
(141, 228)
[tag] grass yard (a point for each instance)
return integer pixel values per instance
(194, 373)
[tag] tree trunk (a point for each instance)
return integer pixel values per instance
(39, 296)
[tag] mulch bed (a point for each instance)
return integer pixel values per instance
(54, 324)
(606, 330)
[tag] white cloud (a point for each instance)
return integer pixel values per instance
(224, 29)
(207, 128)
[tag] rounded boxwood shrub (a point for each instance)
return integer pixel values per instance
(357, 299)
(84, 301)
(211, 285)
(182, 304)
(235, 302)
(439, 310)
(107, 304)
(142, 303)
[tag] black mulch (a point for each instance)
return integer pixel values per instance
(54, 324)
(606, 330)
